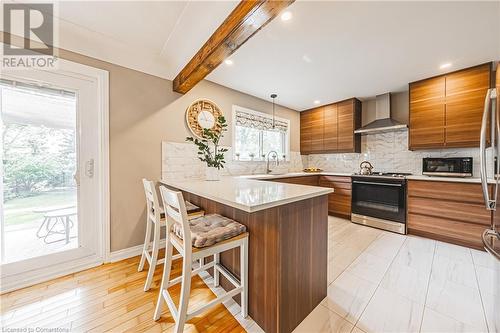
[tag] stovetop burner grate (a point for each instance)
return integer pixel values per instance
(386, 174)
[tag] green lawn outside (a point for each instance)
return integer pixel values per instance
(19, 211)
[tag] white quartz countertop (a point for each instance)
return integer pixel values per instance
(295, 174)
(343, 174)
(476, 180)
(249, 195)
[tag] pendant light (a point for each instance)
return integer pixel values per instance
(273, 96)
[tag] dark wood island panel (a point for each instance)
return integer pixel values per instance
(287, 259)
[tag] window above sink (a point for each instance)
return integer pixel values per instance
(254, 136)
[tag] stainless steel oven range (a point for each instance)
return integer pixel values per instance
(379, 200)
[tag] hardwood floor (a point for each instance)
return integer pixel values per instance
(378, 282)
(108, 298)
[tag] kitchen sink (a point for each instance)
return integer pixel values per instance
(264, 175)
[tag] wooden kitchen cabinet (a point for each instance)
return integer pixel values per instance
(317, 120)
(302, 180)
(330, 128)
(349, 118)
(447, 211)
(427, 109)
(446, 111)
(339, 202)
(311, 130)
(465, 93)
(305, 131)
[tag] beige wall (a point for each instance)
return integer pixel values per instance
(144, 111)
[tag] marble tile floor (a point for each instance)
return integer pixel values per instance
(384, 282)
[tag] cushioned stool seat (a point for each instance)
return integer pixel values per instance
(195, 240)
(210, 229)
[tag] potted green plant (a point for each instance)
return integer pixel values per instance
(209, 150)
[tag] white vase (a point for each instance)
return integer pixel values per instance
(212, 174)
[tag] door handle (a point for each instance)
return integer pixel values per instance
(89, 168)
(374, 183)
(490, 204)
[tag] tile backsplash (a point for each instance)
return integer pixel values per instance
(179, 161)
(388, 152)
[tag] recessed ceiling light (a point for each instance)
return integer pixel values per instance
(286, 16)
(228, 62)
(445, 65)
(317, 102)
(306, 58)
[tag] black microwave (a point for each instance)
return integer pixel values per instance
(447, 167)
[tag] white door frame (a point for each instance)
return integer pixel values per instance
(101, 77)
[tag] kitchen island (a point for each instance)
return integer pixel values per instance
(288, 230)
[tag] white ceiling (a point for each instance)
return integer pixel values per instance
(328, 51)
(156, 37)
(360, 49)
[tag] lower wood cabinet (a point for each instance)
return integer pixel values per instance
(448, 211)
(303, 180)
(339, 202)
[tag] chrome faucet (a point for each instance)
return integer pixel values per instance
(268, 171)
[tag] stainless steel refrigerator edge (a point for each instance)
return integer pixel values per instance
(491, 114)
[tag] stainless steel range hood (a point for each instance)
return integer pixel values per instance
(383, 121)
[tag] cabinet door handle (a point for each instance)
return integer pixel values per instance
(374, 183)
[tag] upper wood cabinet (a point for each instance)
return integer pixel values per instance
(311, 130)
(427, 113)
(349, 118)
(317, 120)
(330, 128)
(305, 130)
(446, 111)
(465, 93)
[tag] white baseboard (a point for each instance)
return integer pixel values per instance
(129, 252)
(125, 253)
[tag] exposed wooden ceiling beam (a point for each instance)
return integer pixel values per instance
(244, 21)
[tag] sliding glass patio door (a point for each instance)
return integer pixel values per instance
(51, 186)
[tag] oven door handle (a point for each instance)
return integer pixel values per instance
(374, 183)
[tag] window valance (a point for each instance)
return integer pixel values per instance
(252, 120)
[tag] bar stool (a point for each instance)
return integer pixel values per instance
(194, 240)
(155, 220)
